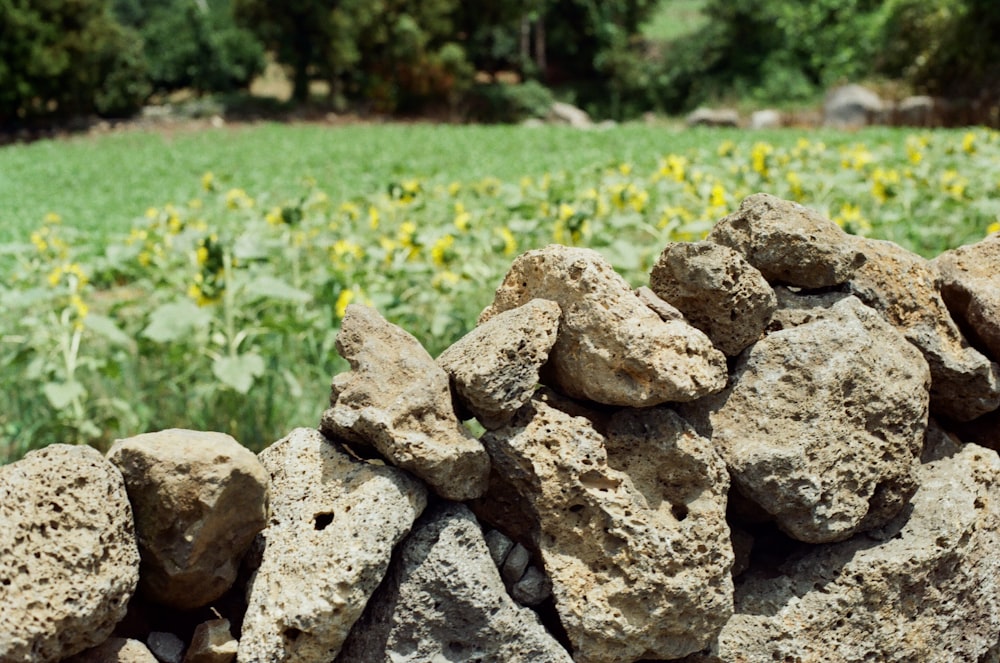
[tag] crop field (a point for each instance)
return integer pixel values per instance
(197, 280)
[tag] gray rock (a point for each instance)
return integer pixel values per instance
(499, 544)
(917, 111)
(444, 601)
(533, 587)
(852, 106)
(563, 113)
(922, 589)
(717, 290)
(631, 530)
(212, 642)
(69, 562)
(494, 368)
(766, 119)
(396, 400)
(789, 244)
(334, 522)
(166, 647)
(199, 500)
(515, 564)
(822, 423)
(970, 287)
(611, 348)
(115, 650)
(904, 287)
(713, 117)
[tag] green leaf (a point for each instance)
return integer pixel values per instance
(173, 321)
(239, 372)
(106, 327)
(268, 286)
(61, 394)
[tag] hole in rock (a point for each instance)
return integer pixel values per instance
(291, 633)
(576, 508)
(680, 511)
(321, 520)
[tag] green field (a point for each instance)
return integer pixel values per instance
(197, 279)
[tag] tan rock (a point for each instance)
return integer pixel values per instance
(494, 368)
(396, 400)
(115, 650)
(639, 569)
(199, 500)
(904, 287)
(823, 422)
(657, 305)
(717, 290)
(212, 642)
(789, 244)
(69, 562)
(971, 289)
(611, 348)
(334, 522)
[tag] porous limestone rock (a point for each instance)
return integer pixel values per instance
(924, 588)
(443, 600)
(334, 522)
(396, 400)
(905, 288)
(199, 499)
(823, 422)
(494, 368)
(717, 290)
(212, 642)
(971, 289)
(657, 305)
(69, 562)
(611, 348)
(115, 650)
(788, 243)
(631, 530)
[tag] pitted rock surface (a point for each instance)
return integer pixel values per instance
(443, 600)
(971, 289)
(212, 642)
(633, 575)
(199, 500)
(611, 348)
(69, 562)
(823, 422)
(396, 400)
(789, 244)
(904, 287)
(494, 368)
(924, 588)
(334, 522)
(717, 290)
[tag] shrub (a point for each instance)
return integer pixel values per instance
(503, 102)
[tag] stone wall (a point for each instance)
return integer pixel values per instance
(779, 450)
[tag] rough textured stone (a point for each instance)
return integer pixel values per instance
(212, 642)
(396, 400)
(68, 556)
(611, 348)
(563, 113)
(199, 499)
(789, 244)
(166, 647)
(657, 305)
(823, 422)
(334, 522)
(444, 601)
(971, 289)
(713, 117)
(904, 287)
(852, 106)
(925, 588)
(631, 529)
(115, 650)
(717, 290)
(533, 587)
(767, 118)
(494, 368)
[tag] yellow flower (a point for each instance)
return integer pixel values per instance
(195, 203)
(145, 258)
(373, 217)
(953, 184)
(726, 148)
(717, 198)
(462, 218)
(993, 228)
(52, 219)
(856, 157)
(201, 255)
(795, 182)
(625, 169)
(758, 158)
(509, 241)
(343, 247)
(208, 181)
(672, 167)
(454, 188)
(440, 252)
(345, 297)
(80, 306)
(274, 217)
(566, 212)
(884, 184)
(38, 239)
(152, 213)
(446, 277)
(969, 143)
(238, 199)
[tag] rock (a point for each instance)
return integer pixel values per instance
(499, 544)
(916, 111)
(563, 113)
(766, 119)
(68, 556)
(444, 601)
(334, 522)
(657, 305)
(631, 530)
(852, 106)
(718, 292)
(115, 650)
(610, 348)
(199, 500)
(494, 368)
(970, 287)
(789, 244)
(713, 117)
(515, 564)
(904, 287)
(396, 400)
(533, 587)
(166, 647)
(212, 642)
(823, 422)
(923, 589)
